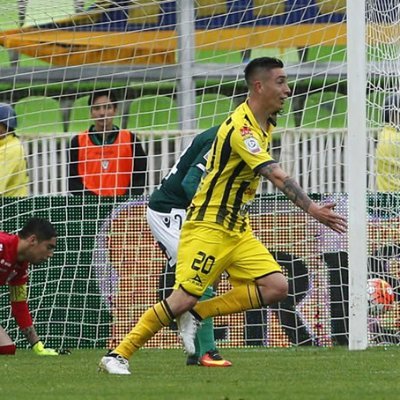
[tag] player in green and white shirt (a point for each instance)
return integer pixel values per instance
(166, 212)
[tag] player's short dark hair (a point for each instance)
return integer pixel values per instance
(100, 93)
(41, 228)
(261, 63)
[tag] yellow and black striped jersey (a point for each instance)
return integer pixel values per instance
(239, 151)
(388, 160)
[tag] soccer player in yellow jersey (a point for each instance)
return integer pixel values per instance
(388, 148)
(216, 235)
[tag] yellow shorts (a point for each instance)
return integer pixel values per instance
(205, 251)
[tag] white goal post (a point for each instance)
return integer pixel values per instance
(357, 167)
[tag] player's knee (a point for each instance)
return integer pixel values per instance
(274, 289)
(281, 291)
(274, 294)
(8, 349)
(180, 301)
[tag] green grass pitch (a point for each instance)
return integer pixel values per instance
(296, 374)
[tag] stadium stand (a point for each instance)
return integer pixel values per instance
(336, 53)
(152, 112)
(286, 119)
(9, 15)
(212, 109)
(375, 100)
(218, 56)
(324, 110)
(79, 115)
(33, 62)
(4, 57)
(326, 7)
(39, 115)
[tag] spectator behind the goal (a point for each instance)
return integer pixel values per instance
(216, 235)
(13, 168)
(106, 160)
(34, 244)
(388, 148)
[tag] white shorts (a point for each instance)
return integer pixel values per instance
(166, 229)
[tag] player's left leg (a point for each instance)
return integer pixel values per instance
(208, 355)
(205, 333)
(155, 318)
(152, 321)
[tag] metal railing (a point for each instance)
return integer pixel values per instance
(315, 158)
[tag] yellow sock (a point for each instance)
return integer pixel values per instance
(148, 325)
(238, 299)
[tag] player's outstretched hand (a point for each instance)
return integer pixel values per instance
(40, 350)
(324, 213)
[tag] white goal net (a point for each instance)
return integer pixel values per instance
(176, 69)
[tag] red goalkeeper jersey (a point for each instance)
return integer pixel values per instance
(12, 272)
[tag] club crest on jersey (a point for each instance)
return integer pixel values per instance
(245, 131)
(252, 145)
(105, 164)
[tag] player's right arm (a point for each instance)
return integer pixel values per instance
(192, 179)
(20, 311)
(292, 190)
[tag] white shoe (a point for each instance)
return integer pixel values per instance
(187, 325)
(115, 365)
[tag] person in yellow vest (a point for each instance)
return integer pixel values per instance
(105, 160)
(14, 178)
(388, 148)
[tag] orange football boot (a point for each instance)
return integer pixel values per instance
(213, 359)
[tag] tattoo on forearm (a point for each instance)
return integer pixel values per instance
(30, 335)
(287, 185)
(269, 169)
(296, 194)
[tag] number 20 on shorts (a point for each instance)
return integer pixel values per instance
(203, 262)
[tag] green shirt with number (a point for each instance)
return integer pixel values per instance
(179, 185)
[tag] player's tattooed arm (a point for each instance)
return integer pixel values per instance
(30, 335)
(296, 194)
(287, 185)
(323, 213)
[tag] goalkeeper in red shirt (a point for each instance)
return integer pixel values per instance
(34, 244)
